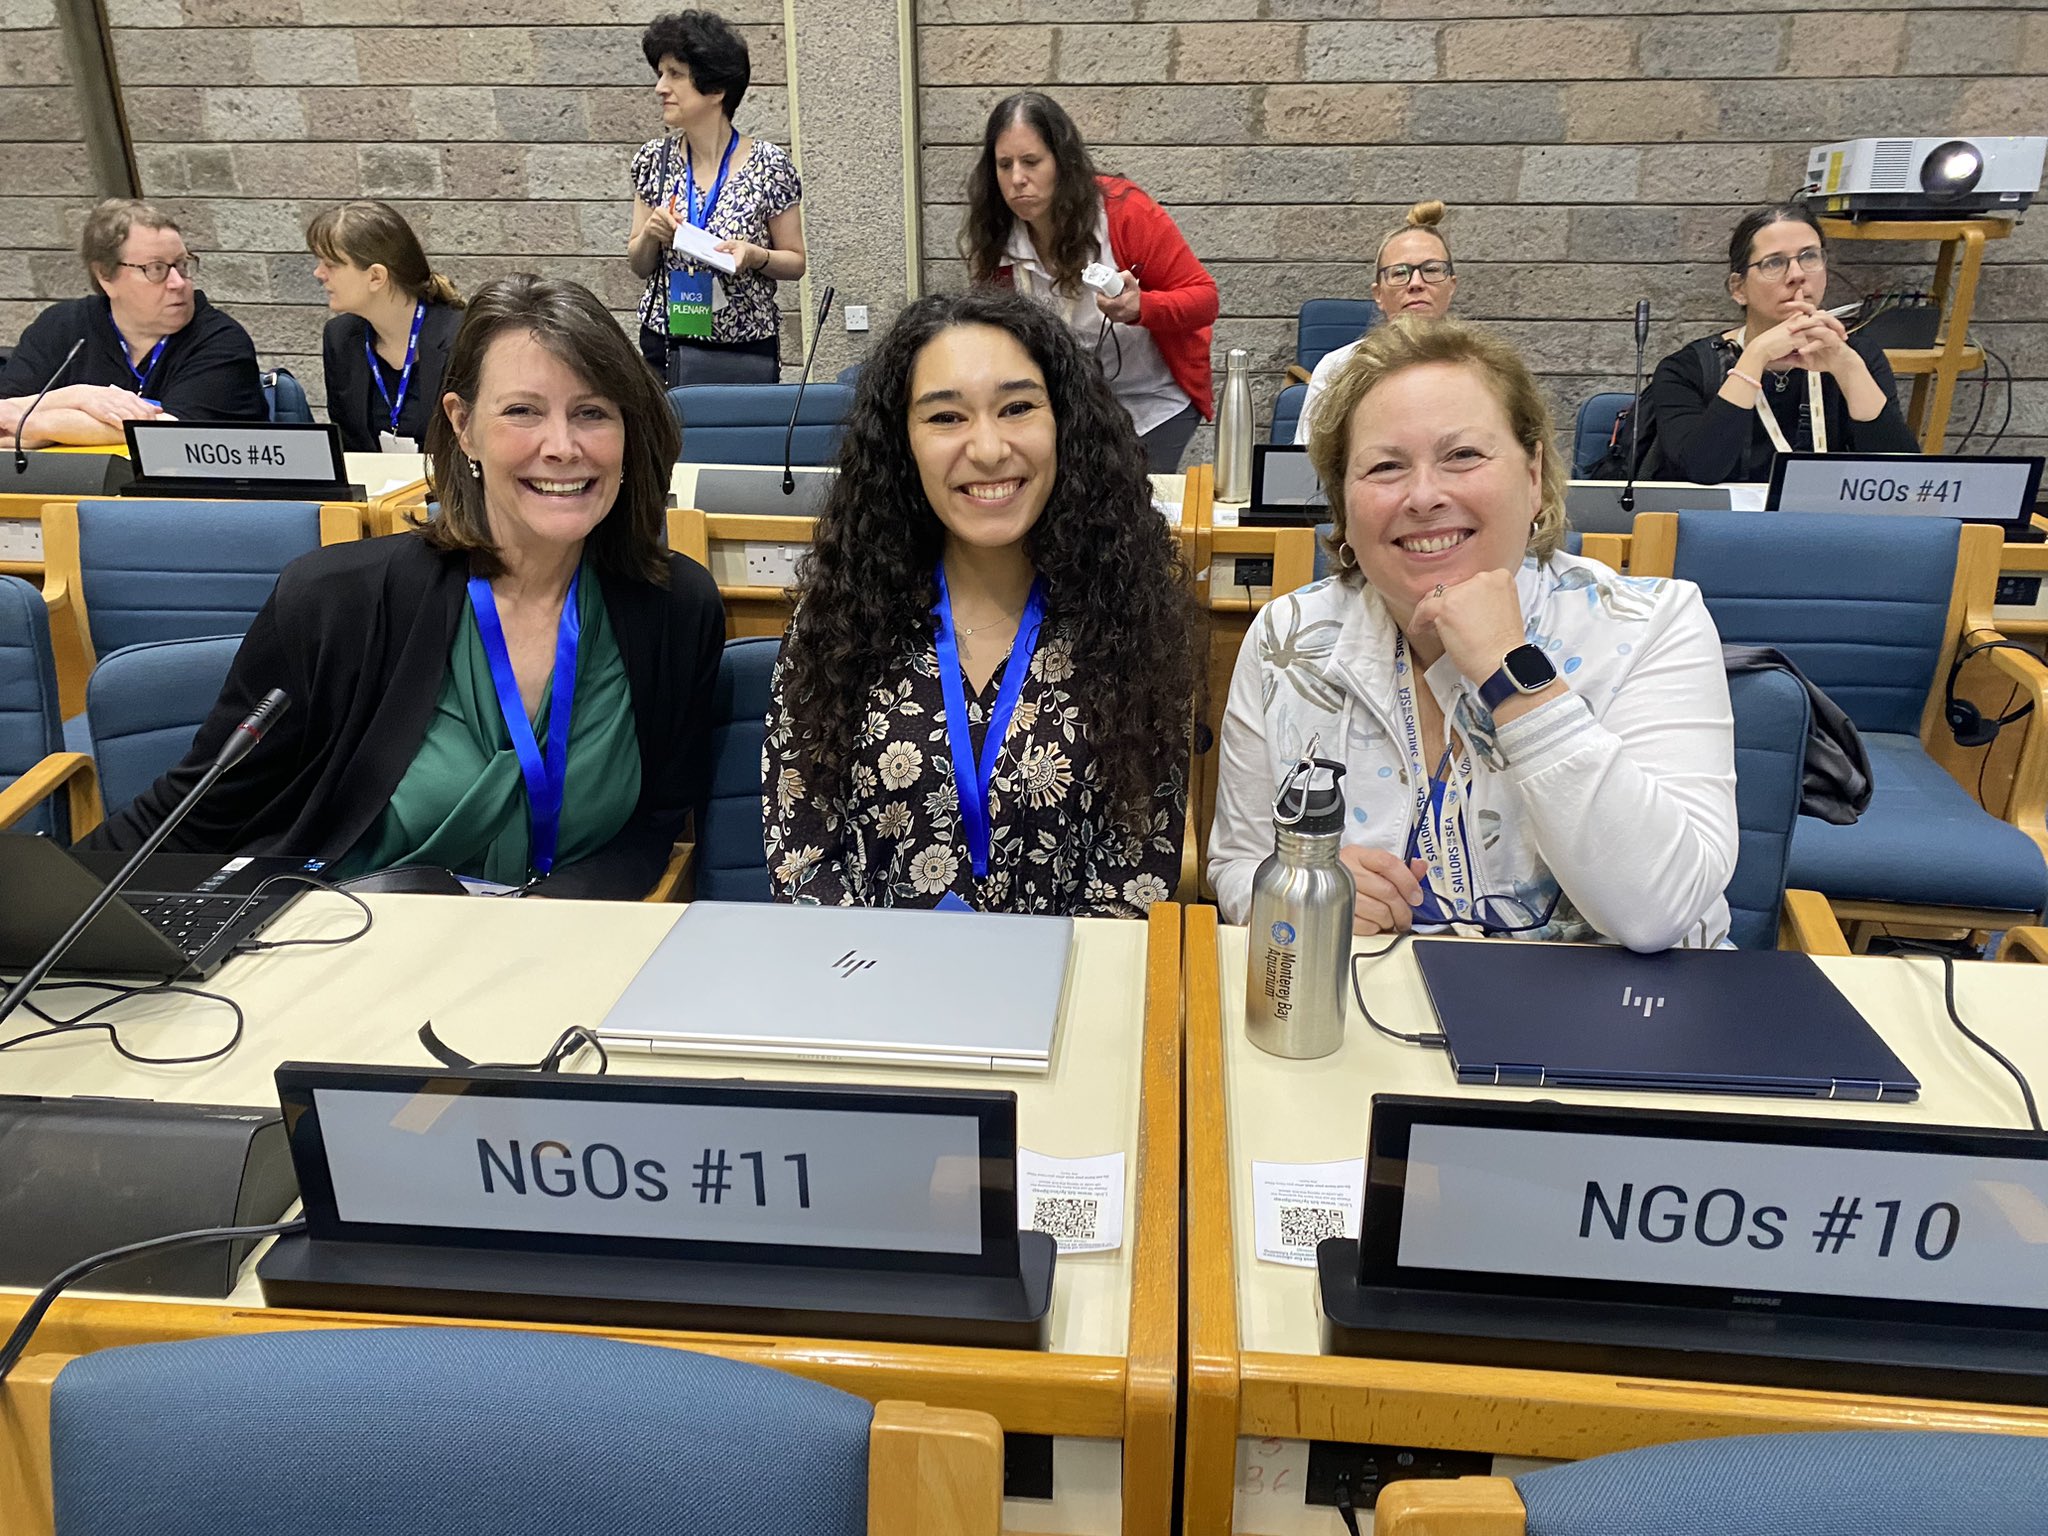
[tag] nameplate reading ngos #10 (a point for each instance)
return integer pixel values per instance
(175, 451)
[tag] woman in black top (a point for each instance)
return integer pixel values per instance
(394, 320)
(1789, 379)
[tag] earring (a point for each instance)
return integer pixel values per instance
(476, 470)
(1347, 557)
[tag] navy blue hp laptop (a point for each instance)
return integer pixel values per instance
(1712, 1021)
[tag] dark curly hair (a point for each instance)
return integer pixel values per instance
(1103, 554)
(705, 44)
(1076, 197)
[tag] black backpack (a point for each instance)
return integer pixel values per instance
(1613, 464)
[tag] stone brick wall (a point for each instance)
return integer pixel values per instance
(1592, 151)
(46, 182)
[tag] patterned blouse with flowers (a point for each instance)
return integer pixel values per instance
(756, 190)
(894, 839)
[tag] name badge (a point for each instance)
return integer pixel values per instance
(391, 442)
(690, 300)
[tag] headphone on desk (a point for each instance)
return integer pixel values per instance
(1966, 722)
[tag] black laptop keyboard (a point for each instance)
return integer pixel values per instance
(190, 922)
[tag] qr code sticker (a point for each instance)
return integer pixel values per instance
(1303, 1226)
(1065, 1219)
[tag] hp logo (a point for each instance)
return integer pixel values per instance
(1283, 933)
(850, 964)
(1630, 998)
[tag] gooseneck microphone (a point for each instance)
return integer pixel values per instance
(21, 426)
(232, 751)
(1635, 410)
(803, 383)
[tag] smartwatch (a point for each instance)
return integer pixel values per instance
(1525, 669)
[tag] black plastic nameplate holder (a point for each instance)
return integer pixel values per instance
(1776, 1250)
(854, 1211)
(1972, 488)
(241, 461)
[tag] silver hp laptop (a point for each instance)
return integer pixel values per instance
(851, 984)
(1594, 506)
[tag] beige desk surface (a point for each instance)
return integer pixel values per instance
(1316, 1111)
(500, 979)
(379, 474)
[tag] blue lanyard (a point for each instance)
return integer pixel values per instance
(148, 363)
(972, 778)
(412, 352)
(545, 776)
(702, 218)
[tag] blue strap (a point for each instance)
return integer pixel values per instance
(702, 219)
(148, 363)
(546, 776)
(412, 352)
(972, 778)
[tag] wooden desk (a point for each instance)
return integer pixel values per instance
(393, 485)
(1254, 1366)
(527, 969)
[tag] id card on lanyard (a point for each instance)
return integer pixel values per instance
(149, 363)
(972, 777)
(1776, 433)
(691, 298)
(1438, 837)
(412, 352)
(546, 772)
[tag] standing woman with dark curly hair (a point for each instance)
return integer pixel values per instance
(985, 695)
(1039, 214)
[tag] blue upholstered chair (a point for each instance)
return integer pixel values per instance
(145, 703)
(1592, 428)
(1323, 326)
(1851, 1483)
(33, 761)
(1771, 717)
(746, 423)
(285, 397)
(174, 570)
(483, 1432)
(1287, 413)
(1872, 610)
(731, 863)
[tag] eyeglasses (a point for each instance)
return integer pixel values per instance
(1812, 259)
(1492, 915)
(1431, 272)
(158, 271)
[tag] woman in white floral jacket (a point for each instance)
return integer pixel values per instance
(1567, 768)
(985, 694)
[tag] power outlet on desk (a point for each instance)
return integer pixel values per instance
(1369, 1468)
(1253, 571)
(1027, 1466)
(2017, 592)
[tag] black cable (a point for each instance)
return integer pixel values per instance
(567, 1044)
(2006, 421)
(1346, 1510)
(1983, 389)
(1108, 332)
(1986, 763)
(1433, 1041)
(1948, 997)
(254, 946)
(89, 1020)
(17, 1341)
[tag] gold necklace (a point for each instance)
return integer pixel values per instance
(965, 632)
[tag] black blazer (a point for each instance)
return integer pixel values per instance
(207, 371)
(353, 403)
(359, 635)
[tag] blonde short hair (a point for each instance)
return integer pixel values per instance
(1407, 342)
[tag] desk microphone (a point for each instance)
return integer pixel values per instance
(789, 437)
(232, 751)
(1635, 411)
(21, 426)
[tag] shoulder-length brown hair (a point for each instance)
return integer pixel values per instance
(367, 233)
(1076, 196)
(568, 320)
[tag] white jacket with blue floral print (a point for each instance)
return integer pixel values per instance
(1622, 793)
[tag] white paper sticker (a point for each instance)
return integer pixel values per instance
(1297, 1205)
(391, 442)
(1076, 1201)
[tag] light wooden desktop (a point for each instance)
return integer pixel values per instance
(1254, 1363)
(500, 979)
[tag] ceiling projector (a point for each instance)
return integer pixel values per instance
(1923, 178)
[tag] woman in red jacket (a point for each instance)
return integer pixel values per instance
(1039, 216)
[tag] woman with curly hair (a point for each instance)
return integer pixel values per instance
(1038, 215)
(985, 695)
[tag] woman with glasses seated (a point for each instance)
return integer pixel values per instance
(1535, 746)
(1412, 275)
(1790, 379)
(149, 346)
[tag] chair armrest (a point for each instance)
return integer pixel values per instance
(1296, 374)
(2026, 945)
(934, 1471)
(74, 773)
(1462, 1506)
(26, 1500)
(675, 883)
(2026, 806)
(1806, 923)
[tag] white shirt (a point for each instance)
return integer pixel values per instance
(1622, 793)
(1138, 375)
(1318, 381)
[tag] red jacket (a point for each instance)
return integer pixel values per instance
(1177, 299)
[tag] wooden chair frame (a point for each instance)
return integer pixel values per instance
(750, 610)
(1460, 1506)
(72, 772)
(931, 1471)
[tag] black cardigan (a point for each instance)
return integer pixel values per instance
(1702, 438)
(359, 635)
(353, 403)
(207, 372)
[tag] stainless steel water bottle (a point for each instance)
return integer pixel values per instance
(1234, 429)
(1301, 919)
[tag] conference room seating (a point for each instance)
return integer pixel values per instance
(1850, 1483)
(1323, 326)
(731, 863)
(33, 762)
(1287, 413)
(144, 704)
(473, 1432)
(285, 397)
(748, 423)
(1772, 715)
(1592, 427)
(1873, 610)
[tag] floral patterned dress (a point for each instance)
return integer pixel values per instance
(756, 190)
(894, 838)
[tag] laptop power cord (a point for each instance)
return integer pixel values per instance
(1433, 1041)
(1948, 997)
